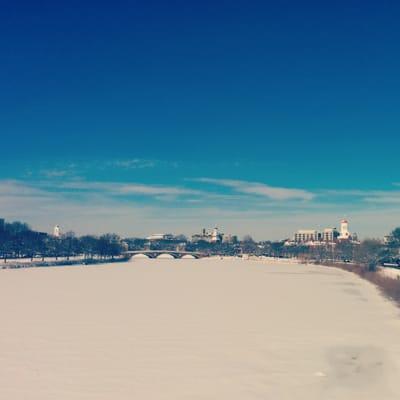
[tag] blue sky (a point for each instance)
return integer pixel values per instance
(169, 116)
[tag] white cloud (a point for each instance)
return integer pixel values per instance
(118, 188)
(56, 173)
(155, 190)
(134, 163)
(367, 196)
(101, 207)
(16, 188)
(383, 198)
(261, 189)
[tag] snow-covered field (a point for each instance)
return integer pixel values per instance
(196, 329)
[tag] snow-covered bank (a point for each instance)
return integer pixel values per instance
(388, 272)
(15, 263)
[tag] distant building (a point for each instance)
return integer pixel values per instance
(230, 239)
(306, 235)
(216, 236)
(387, 239)
(197, 237)
(57, 231)
(160, 236)
(344, 230)
(328, 235)
(2, 224)
(210, 236)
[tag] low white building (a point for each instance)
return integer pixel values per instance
(306, 235)
(160, 236)
(329, 234)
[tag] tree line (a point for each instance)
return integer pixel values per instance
(18, 240)
(369, 253)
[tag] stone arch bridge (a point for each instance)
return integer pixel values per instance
(158, 253)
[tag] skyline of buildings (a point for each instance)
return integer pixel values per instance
(214, 235)
(302, 236)
(327, 235)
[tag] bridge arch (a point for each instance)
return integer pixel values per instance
(166, 256)
(140, 256)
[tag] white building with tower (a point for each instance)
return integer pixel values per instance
(210, 236)
(57, 231)
(344, 230)
(215, 236)
(328, 235)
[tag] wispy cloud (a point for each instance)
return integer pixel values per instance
(364, 196)
(134, 163)
(17, 188)
(56, 173)
(383, 198)
(80, 168)
(118, 188)
(261, 189)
